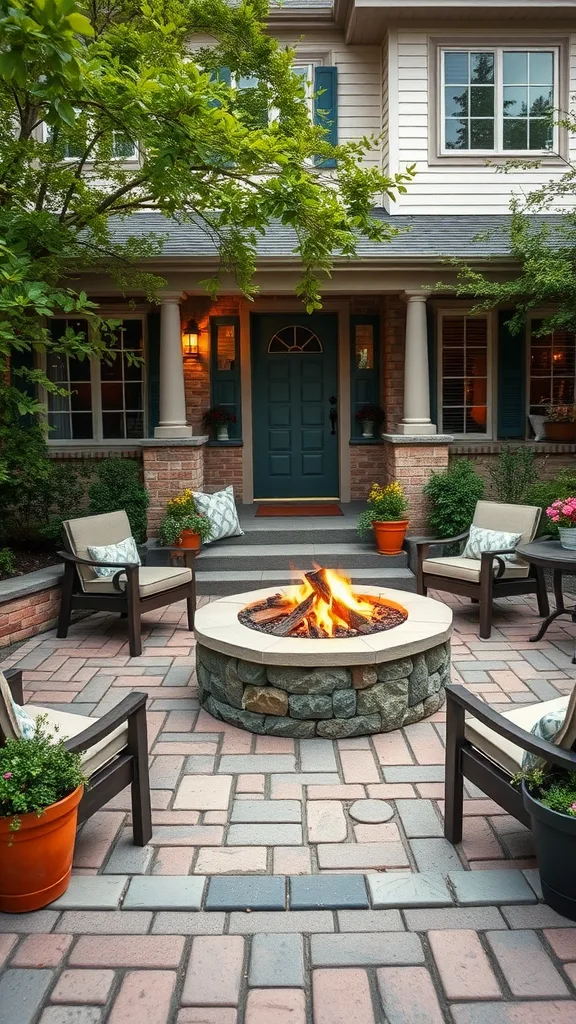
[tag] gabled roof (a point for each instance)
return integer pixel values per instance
(432, 236)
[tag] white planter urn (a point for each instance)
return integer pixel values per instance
(222, 432)
(367, 428)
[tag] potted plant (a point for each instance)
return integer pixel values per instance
(183, 524)
(369, 416)
(560, 423)
(386, 515)
(562, 513)
(550, 799)
(41, 785)
(218, 418)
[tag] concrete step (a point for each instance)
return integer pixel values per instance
(295, 556)
(238, 582)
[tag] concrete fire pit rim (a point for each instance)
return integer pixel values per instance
(217, 627)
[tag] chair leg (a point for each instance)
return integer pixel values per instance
(542, 594)
(140, 788)
(453, 782)
(191, 605)
(65, 613)
(486, 596)
(134, 614)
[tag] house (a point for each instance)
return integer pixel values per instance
(457, 89)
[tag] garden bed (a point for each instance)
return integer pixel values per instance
(30, 561)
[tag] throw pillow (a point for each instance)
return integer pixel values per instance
(220, 509)
(547, 728)
(124, 551)
(15, 723)
(481, 540)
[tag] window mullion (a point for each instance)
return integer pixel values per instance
(95, 381)
(499, 100)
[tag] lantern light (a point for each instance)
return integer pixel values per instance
(190, 340)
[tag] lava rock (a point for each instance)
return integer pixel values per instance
(266, 699)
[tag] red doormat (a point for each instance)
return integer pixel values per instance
(299, 510)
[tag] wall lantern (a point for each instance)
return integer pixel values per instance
(190, 340)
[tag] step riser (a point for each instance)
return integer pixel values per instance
(222, 588)
(289, 535)
(300, 563)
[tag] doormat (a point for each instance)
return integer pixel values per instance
(299, 510)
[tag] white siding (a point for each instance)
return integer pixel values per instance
(446, 188)
(385, 107)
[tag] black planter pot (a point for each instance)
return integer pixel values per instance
(555, 841)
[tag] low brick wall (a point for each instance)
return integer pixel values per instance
(411, 462)
(170, 467)
(222, 467)
(29, 604)
(367, 466)
(550, 458)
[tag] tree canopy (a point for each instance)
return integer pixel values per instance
(111, 107)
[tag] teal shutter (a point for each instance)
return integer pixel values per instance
(432, 363)
(225, 383)
(365, 383)
(153, 369)
(326, 106)
(23, 360)
(511, 381)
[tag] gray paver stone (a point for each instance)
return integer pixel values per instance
(532, 876)
(165, 892)
(435, 855)
(370, 921)
(199, 764)
(41, 921)
(317, 756)
(266, 811)
(313, 892)
(21, 994)
(400, 889)
(371, 811)
(414, 773)
(454, 919)
(482, 888)
(419, 819)
(241, 892)
(264, 835)
(299, 921)
(540, 916)
(256, 764)
(276, 961)
(128, 859)
(71, 1015)
(364, 949)
(175, 922)
(92, 892)
(104, 922)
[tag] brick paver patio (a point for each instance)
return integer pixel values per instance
(291, 881)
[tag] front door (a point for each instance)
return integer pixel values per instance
(294, 394)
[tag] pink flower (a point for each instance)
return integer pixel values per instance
(7, 775)
(572, 808)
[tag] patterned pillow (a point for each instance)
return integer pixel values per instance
(220, 509)
(15, 723)
(547, 728)
(481, 540)
(123, 551)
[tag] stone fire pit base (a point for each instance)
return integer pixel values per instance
(334, 702)
(350, 686)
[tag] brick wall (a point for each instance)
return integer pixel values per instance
(367, 466)
(197, 371)
(167, 471)
(548, 462)
(26, 616)
(394, 327)
(222, 467)
(412, 466)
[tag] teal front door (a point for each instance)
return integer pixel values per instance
(294, 381)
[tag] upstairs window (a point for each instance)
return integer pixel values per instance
(499, 100)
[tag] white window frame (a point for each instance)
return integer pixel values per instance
(498, 51)
(129, 160)
(96, 393)
(301, 61)
(535, 315)
(491, 398)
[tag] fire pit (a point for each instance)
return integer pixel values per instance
(323, 658)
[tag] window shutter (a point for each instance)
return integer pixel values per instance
(432, 363)
(511, 381)
(225, 383)
(326, 106)
(153, 369)
(24, 360)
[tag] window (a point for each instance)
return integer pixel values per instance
(225, 368)
(364, 369)
(552, 368)
(123, 148)
(106, 400)
(499, 100)
(294, 339)
(464, 375)
(306, 72)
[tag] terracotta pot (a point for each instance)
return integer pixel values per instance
(560, 431)
(390, 536)
(36, 861)
(189, 539)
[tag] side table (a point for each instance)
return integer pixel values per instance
(549, 554)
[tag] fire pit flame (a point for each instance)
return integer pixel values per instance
(323, 606)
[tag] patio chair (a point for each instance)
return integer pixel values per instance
(131, 591)
(488, 747)
(114, 752)
(486, 579)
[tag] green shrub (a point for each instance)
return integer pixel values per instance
(545, 492)
(118, 485)
(452, 498)
(7, 563)
(513, 472)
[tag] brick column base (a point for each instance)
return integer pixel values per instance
(411, 460)
(170, 465)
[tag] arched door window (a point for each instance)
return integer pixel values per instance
(294, 339)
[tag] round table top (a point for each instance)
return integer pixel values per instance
(548, 553)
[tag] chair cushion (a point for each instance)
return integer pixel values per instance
(502, 751)
(152, 579)
(123, 551)
(457, 567)
(110, 528)
(495, 515)
(220, 509)
(481, 540)
(71, 725)
(10, 726)
(558, 726)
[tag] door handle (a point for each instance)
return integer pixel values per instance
(333, 420)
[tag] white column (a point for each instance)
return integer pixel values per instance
(172, 393)
(416, 418)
